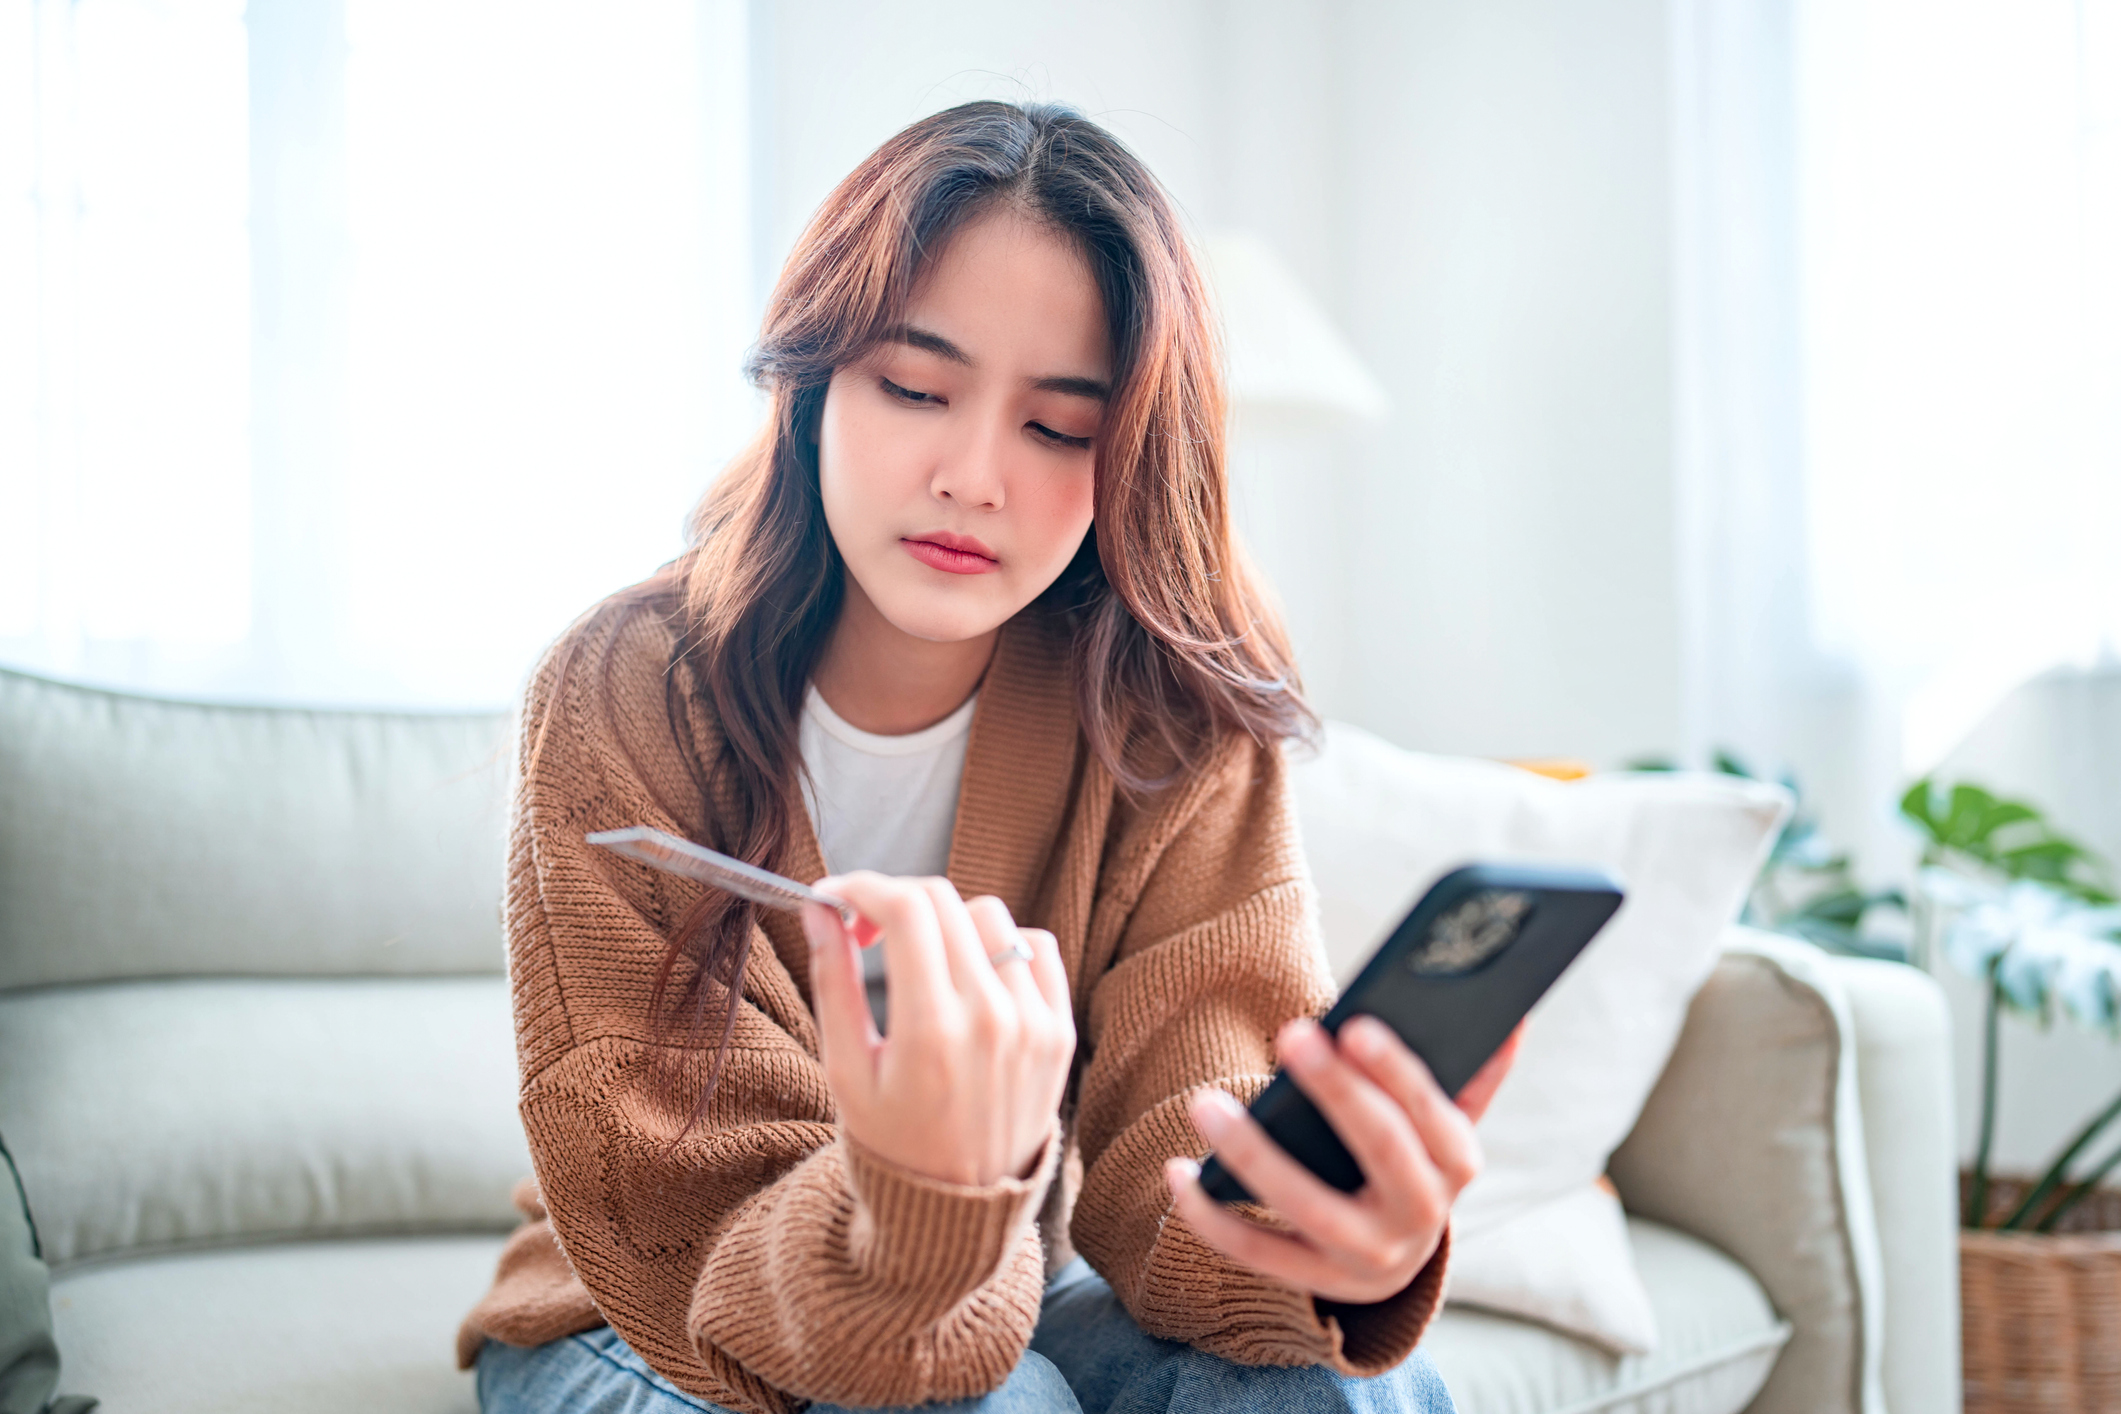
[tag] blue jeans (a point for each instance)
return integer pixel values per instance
(1087, 1357)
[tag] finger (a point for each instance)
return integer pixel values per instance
(1047, 1031)
(1446, 1131)
(1050, 973)
(1367, 1118)
(998, 932)
(1480, 1090)
(1319, 1212)
(864, 928)
(847, 1035)
(966, 951)
(919, 975)
(1287, 1259)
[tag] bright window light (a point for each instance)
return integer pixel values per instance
(1962, 214)
(349, 351)
(124, 323)
(536, 389)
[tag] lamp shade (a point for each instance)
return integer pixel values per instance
(1288, 365)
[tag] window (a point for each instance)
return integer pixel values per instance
(1961, 217)
(350, 350)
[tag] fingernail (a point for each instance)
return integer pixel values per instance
(1180, 1172)
(1366, 1034)
(1214, 1112)
(1303, 1044)
(818, 925)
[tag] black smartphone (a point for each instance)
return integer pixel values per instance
(1454, 979)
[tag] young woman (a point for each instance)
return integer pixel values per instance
(966, 630)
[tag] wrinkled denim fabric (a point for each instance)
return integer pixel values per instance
(1087, 1357)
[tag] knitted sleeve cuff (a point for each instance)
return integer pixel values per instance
(1377, 1337)
(1197, 1294)
(917, 1234)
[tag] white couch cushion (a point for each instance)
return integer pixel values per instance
(1719, 1339)
(364, 1325)
(349, 1327)
(1381, 824)
(157, 1113)
(1567, 1263)
(152, 839)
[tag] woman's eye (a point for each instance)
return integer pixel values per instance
(907, 395)
(1058, 439)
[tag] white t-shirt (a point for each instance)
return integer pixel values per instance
(886, 803)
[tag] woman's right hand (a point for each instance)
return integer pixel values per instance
(966, 1085)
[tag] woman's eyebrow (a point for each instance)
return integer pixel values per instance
(927, 339)
(913, 336)
(1074, 387)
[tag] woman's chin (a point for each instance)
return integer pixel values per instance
(945, 616)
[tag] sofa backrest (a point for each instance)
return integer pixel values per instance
(144, 838)
(225, 934)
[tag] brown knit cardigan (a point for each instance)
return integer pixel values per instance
(764, 1259)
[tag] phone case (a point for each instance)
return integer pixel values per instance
(1453, 979)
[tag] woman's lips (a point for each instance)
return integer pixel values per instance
(952, 554)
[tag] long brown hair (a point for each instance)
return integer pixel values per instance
(1175, 646)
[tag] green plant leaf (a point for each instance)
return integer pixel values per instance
(2025, 982)
(1919, 805)
(2008, 812)
(1729, 764)
(2052, 853)
(1970, 805)
(1844, 906)
(2011, 837)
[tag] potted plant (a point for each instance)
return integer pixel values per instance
(2014, 903)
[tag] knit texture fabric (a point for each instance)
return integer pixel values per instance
(762, 1259)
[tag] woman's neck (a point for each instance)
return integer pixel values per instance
(881, 679)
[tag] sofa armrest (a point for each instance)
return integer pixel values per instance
(1904, 1072)
(1753, 1140)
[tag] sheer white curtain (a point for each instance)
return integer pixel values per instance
(1898, 374)
(124, 326)
(1961, 211)
(348, 348)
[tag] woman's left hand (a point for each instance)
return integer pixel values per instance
(1414, 1144)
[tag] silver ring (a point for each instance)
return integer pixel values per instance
(1018, 951)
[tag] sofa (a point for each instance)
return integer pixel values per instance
(257, 1077)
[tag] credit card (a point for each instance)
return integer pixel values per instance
(673, 855)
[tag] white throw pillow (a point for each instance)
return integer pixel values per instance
(1535, 1235)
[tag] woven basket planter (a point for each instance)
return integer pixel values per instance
(2042, 1313)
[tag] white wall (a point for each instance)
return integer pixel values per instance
(1478, 190)
(1508, 275)
(2057, 742)
(835, 78)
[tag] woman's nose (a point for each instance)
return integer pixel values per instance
(974, 469)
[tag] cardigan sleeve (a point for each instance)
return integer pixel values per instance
(753, 1256)
(1219, 949)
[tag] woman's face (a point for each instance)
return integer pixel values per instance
(956, 457)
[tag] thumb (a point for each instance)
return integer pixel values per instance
(846, 1032)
